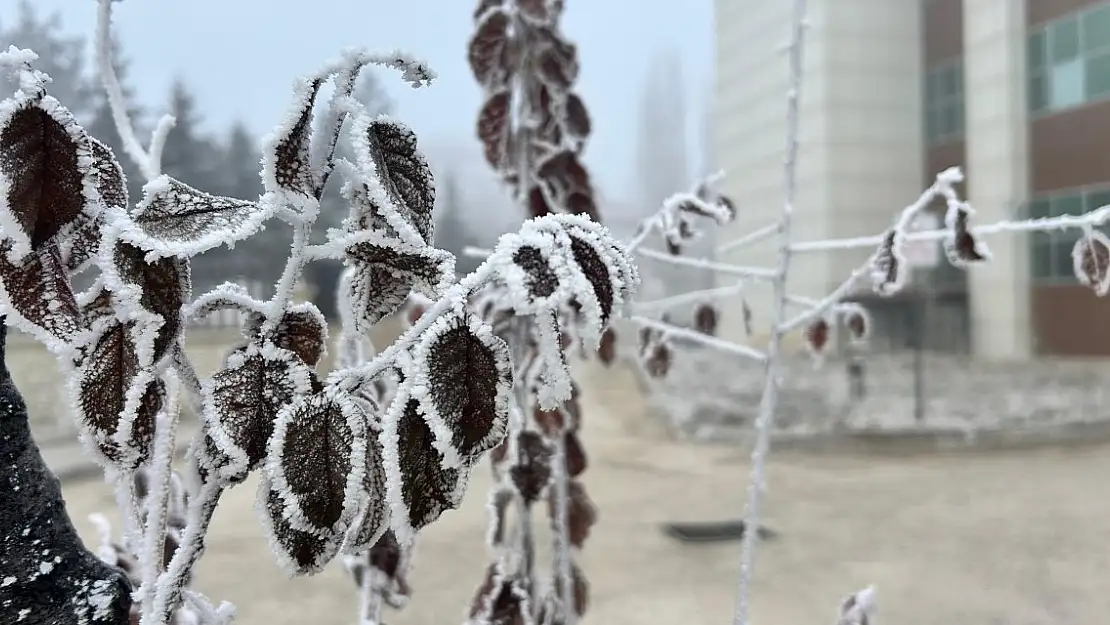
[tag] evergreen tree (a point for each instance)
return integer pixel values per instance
(189, 156)
(451, 231)
(61, 56)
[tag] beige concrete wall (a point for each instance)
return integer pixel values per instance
(861, 150)
(997, 165)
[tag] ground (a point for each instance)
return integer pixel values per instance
(1014, 538)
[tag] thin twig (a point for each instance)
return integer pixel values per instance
(755, 273)
(769, 400)
(709, 341)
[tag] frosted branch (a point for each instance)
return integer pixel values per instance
(769, 401)
(756, 273)
(149, 163)
(749, 239)
(727, 347)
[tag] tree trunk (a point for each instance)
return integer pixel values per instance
(46, 573)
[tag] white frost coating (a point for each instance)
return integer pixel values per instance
(368, 179)
(424, 357)
(10, 228)
(1098, 245)
(297, 376)
(174, 219)
(959, 210)
(301, 408)
(228, 295)
(858, 608)
(296, 127)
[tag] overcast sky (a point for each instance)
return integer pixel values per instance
(240, 56)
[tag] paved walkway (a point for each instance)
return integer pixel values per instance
(1000, 539)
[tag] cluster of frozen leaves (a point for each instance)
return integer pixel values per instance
(680, 222)
(350, 463)
(534, 129)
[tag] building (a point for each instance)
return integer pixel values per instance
(1016, 92)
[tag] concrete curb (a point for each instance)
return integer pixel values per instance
(910, 441)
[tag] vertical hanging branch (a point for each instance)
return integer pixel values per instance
(534, 128)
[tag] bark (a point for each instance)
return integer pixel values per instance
(47, 575)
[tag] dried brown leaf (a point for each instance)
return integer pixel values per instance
(44, 172)
(469, 381)
(37, 290)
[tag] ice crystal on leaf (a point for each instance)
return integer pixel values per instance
(298, 552)
(286, 165)
(1091, 261)
(420, 488)
(302, 330)
(37, 296)
(961, 246)
(490, 52)
(888, 266)
(386, 269)
(47, 180)
(117, 394)
(160, 287)
(81, 239)
(531, 471)
(315, 462)
(501, 600)
(858, 608)
(371, 520)
(242, 400)
(174, 219)
(462, 379)
(387, 151)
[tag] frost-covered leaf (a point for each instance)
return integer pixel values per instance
(857, 322)
(575, 454)
(420, 488)
(858, 608)
(705, 319)
(501, 600)
(580, 593)
(243, 399)
(817, 335)
(888, 265)
(302, 330)
(531, 471)
(961, 246)
(46, 175)
(465, 377)
(578, 118)
(596, 271)
(387, 149)
(493, 127)
(80, 240)
(161, 286)
(117, 395)
(298, 552)
(581, 512)
(385, 270)
(1091, 261)
(489, 51)
(371, 521)
(315, 461)
(174, 219)
(389, 560)
(607, 348)
(35, 292)
(286, 163)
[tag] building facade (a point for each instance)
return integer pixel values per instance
(1015, 92)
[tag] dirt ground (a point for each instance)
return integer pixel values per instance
(1018, 538)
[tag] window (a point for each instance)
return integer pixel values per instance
(1069, 60)
(1050, 252)
(944, 102)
